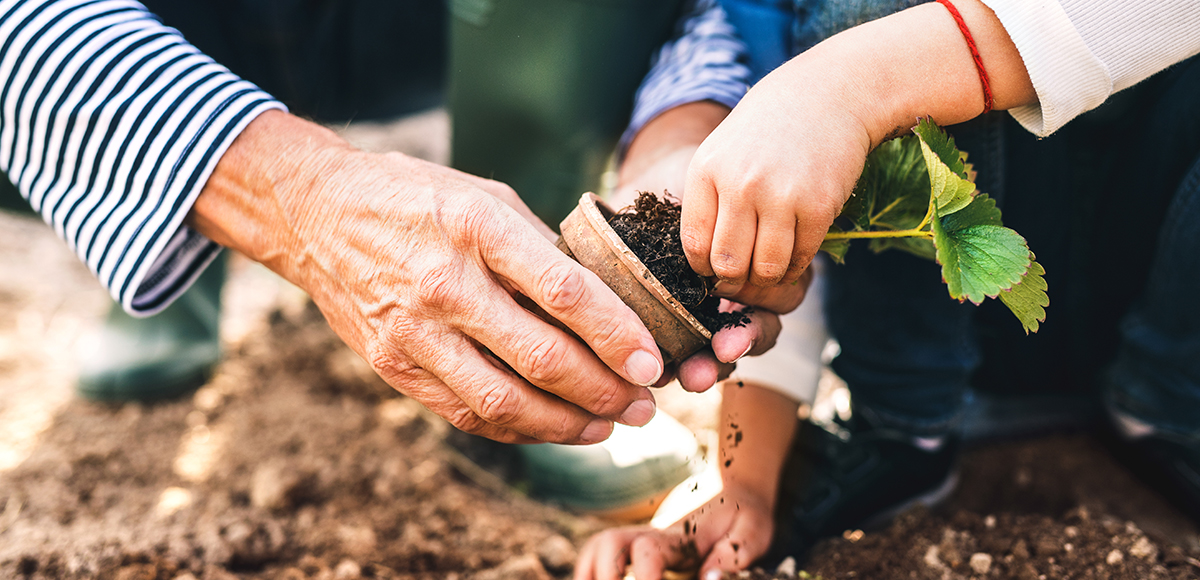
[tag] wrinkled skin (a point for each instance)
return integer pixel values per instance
(417, 267)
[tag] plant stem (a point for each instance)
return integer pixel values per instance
(879, 234)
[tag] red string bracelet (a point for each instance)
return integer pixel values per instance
(988, 101)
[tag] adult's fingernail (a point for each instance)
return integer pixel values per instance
(712, 575)
(638, 413)
(643, 368)
(596, 431)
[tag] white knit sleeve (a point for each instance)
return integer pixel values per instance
(1080, 52)
(110, 125)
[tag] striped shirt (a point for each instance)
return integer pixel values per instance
(110, 125)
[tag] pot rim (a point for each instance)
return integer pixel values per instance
(593, 211)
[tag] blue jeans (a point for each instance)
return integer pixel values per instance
(1111, 206)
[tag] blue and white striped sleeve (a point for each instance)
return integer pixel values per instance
(110, 125)
(705, 62)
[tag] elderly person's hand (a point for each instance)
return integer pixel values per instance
(657, 160)
(418, 268)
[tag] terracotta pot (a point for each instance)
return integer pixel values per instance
(587, 237)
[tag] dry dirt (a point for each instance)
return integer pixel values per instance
(296, 462)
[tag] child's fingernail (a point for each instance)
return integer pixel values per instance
(712, 575)
(723, 288)
(745, 352)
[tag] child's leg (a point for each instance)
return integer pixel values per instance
(1156, 376)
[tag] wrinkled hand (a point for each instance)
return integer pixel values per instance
(729, 532)
(416, 267)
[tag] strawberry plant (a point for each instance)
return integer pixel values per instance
(917, 194)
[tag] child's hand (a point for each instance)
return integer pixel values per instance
(764, 187)
(724, 535)
(767, 183)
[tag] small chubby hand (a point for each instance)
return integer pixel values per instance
(726, 534)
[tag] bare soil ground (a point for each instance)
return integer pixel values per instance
(295, 462)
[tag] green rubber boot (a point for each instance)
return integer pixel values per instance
(161, 357)
(540, 90)
(624, 477)
(147, 359)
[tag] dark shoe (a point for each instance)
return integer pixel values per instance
(856, 476)
(1165, 461)
(161, 357)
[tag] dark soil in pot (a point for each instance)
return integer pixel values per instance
(650, 228)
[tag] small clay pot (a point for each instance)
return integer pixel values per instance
(587, 237)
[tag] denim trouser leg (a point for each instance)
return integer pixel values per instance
(1156, 377)
(908, 349)
(1110, 204)
(1156, 373)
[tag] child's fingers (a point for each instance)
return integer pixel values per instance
(698, 220)
(733, 238)
(751, 339)
(651, 554)
(648, 557)
(702, 370)
(748, 539)
(773, 247)
(584, 562)
(607, 554)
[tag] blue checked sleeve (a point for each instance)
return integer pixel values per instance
(704, 62)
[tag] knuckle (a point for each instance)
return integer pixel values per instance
(609, 337)
(562, 287)
(693, 243)
(397, 370)
(728, 266)
(465, 420)
(440, 286)
(768, 273)
(542, 363)
(499, 405)
(466, 218)
(608, 402)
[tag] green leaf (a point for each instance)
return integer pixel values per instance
(941, 144)
(893, 191)
(1028, 299)
(951, 189)
(981, 211)
(979, 258)
(917, 194)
